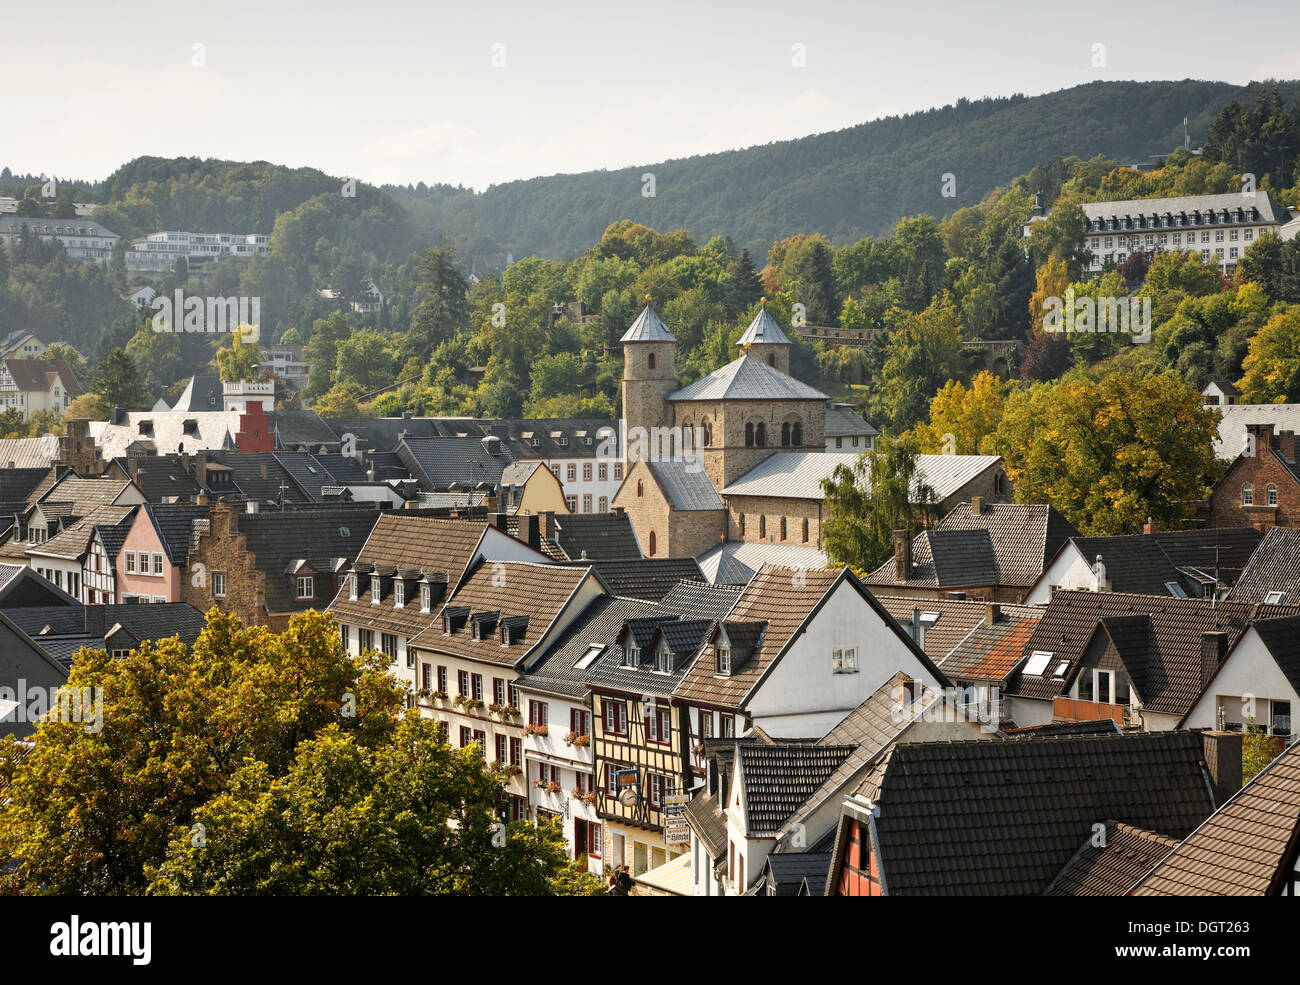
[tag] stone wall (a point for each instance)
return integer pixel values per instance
(222, 549)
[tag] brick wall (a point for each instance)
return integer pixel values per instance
(1259, 471)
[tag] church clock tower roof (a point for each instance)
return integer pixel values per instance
(648, 327)
(763, 330)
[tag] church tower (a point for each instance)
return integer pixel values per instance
(649, 374)
(764, 340)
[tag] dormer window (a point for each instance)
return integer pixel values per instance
(426, 597)
(305, 587)
(352, 586)
(376, 590)
(723, 661)
(631, 656)
(399, 594)
(663, 659)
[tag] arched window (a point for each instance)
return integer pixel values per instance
(760, 434)
(1271, 492)
(651, 360)
(640, 488)
(1247, 495)
(796, 434)
(749, 435)
(785, 434)
(783, 528)
(771, 358)
(652, 543)
(741, 521)
(762, 527)
(708, 433)
(805, 531)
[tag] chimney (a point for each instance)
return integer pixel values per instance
(262, 469)
(411, 504)
(117, 416)
(976, 505)
(918, 629)
(1223, 762)
(1286, 445)
(1214, 647)
(618, 510)
(202, 499)
(1149, 527)
(902, 556)
(992, 613)
(232, 516)
(251, 506)
(201, 468)
(1263, 434)
(500, 521)
(529, 530)
(95, 621)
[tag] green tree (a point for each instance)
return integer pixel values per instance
(1272, 363)
(444, 302)
(239, 360)
(921, 355)
(117, 381)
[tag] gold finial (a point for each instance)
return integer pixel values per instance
(763, 302)
(647, 299)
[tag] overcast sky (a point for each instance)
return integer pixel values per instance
(403, 92)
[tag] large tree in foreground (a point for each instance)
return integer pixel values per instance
(257, 762)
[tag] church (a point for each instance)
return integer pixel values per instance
(752, 479)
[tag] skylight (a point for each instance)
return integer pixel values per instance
(589, 657)
(1061, 668)
(1038, 662)
(1175, 589)
(1274, 598)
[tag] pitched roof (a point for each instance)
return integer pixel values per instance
(558, 670)
(763, 330)
(648, 327)
(708, 822)
(843, 421)
(597, 536)
(29, 453)
(508, 588)
(779, 779)
(17, 484)
(747, 378)
(995, 818)
(41, 375)
(174, 524)
(1245, 848)
(799, 474)
(648, 578)
(441, 463)
(686, 485)
(301, 429)
(990, 653)
(1109, 866)
(261, 476)
(84, 495)
(160, 477)
(1274, 567)
(1147, 563)
(736, 562)
(1159, 638)
(1281, 637)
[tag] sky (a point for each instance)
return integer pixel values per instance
(481, 93)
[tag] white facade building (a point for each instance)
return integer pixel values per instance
(160, 251)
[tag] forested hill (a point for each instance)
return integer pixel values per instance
(846, 184)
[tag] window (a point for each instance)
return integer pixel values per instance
(762, 527)
(343, 635)
(844, 660)
(513, 692)
(352, 586)
(728, 723)
(1271, 493)
(740, 521)
(586, 503)
(376, 588)
(618, 471)
(615, 714)
(706, 724)
(442, 679)
(399, 593)
(1105, 686)
(653, 546)
(1247, 495)
(805, 531)
(783, 528)
(476, 682)
(640, 488)
(603, 504)
(760, 434)
(571, 473)
(571, 503)
(656, 783)
(388, 643)
(157, 564)
(749, 435)
(723, 660)
(502, 748)
(219, 584)
(1280, 717)
(130, 562)
(650, 360)
(366, 639)
(462, 683)
(516, 752)
(426, 677)
(466, 736)
(796, 434)
(579, 721)
(498, 691)
(426, 598)
(537, 713)
(586, 471)
(602, 471)
(839, 442)
(785, 434)
(306, 586)
(611, 780)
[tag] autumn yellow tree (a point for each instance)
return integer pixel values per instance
(1272, 363)
(963, 420)
(1053, 282)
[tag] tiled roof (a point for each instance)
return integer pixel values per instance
(1274, 567)
(763, 330)
(780, 778)
(68, 628)
(1234, 418)
(168, 432)
(40, 375)
(261, 477)
(1162, 634)
(521, 438)
(1111, 868)
(72, 541)
(1104, 726)
(799, 475)
(17, 484)
(990, 653)
(780, 597)
(174, 524)
(441, 463)
(295, 429)
(1282, 639)
(709, 823)
(511, 588)
(160, 477)
(788, 870)
(1248, 202)
(1245, 848)
(307, 472)
(747, 378)
(696, 599)
(996, 818)
(1147, 563)
(736, 562)
(648, 327)
(644, 578)
(84, 495)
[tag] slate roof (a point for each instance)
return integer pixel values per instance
(697, 599)
(686, 486)
(280, 539)
(602, 536)
(1161, 635)
(556, 671)
(174, 524)
(201, 393)
(160, 477)
(440, 463)
(649, 578)
(779, 779)
(511, 588)
(648, 327)
(307, 471)
(708, 822)
(786, 871)
(1110, 869)
(1246, 848)
(301, 429)
(1274, 567)
(20, 585)
(1234, 418)
(17, 484)
(246, 470)
(1249, 203)
(842, 421)
(345, 470)
(169, 432)
(995, 818)
(747, 378)
(68, 631)
(763, 330)
(1003, 544)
